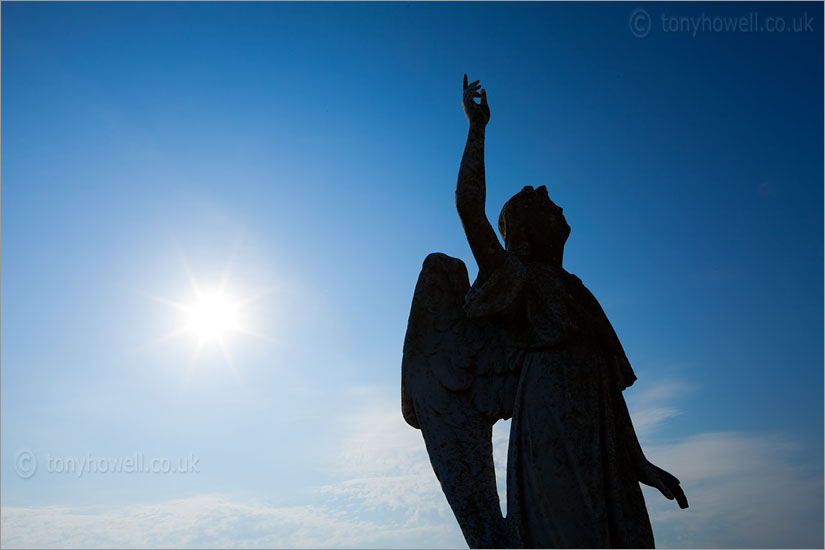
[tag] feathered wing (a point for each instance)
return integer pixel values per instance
(455, 386)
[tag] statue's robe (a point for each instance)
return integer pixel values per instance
(571, 480)
(531, 342)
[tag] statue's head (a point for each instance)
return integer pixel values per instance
(533, 226)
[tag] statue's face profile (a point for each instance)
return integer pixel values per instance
(532, 225)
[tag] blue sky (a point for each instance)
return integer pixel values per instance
(306, 154)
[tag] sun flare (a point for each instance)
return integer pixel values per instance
(213, 316)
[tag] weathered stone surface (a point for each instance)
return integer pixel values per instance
(526, 341)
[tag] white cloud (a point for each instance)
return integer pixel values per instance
(647, 421)
(384, 468)
(501, 442)
(661, 390)
(745, 490)
(387, 496)
(383, 462)
(207, 521)
(651, 404)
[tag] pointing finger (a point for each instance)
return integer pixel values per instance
(681, 498)
(465, 81)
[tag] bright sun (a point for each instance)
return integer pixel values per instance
(212, 316)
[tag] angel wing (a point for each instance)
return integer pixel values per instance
(455, 384)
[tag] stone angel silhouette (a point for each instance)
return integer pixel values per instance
(527, 340)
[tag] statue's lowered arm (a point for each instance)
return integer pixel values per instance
(646, 472)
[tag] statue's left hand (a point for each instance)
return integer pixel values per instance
(666, 482)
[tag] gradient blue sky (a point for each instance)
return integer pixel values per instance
(309, 152)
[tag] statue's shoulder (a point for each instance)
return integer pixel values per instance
(575, 285)
(499, 292)
(552, 277)
(573, 278)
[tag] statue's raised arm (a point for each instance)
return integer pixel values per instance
(470, 192)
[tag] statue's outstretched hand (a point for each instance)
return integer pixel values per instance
(666, 482)
(477, 113)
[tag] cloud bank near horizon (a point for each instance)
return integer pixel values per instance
(745, 490)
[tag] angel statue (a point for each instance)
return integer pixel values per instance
(526, 341)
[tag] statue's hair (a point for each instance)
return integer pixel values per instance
(519, 207)
(527, 211)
